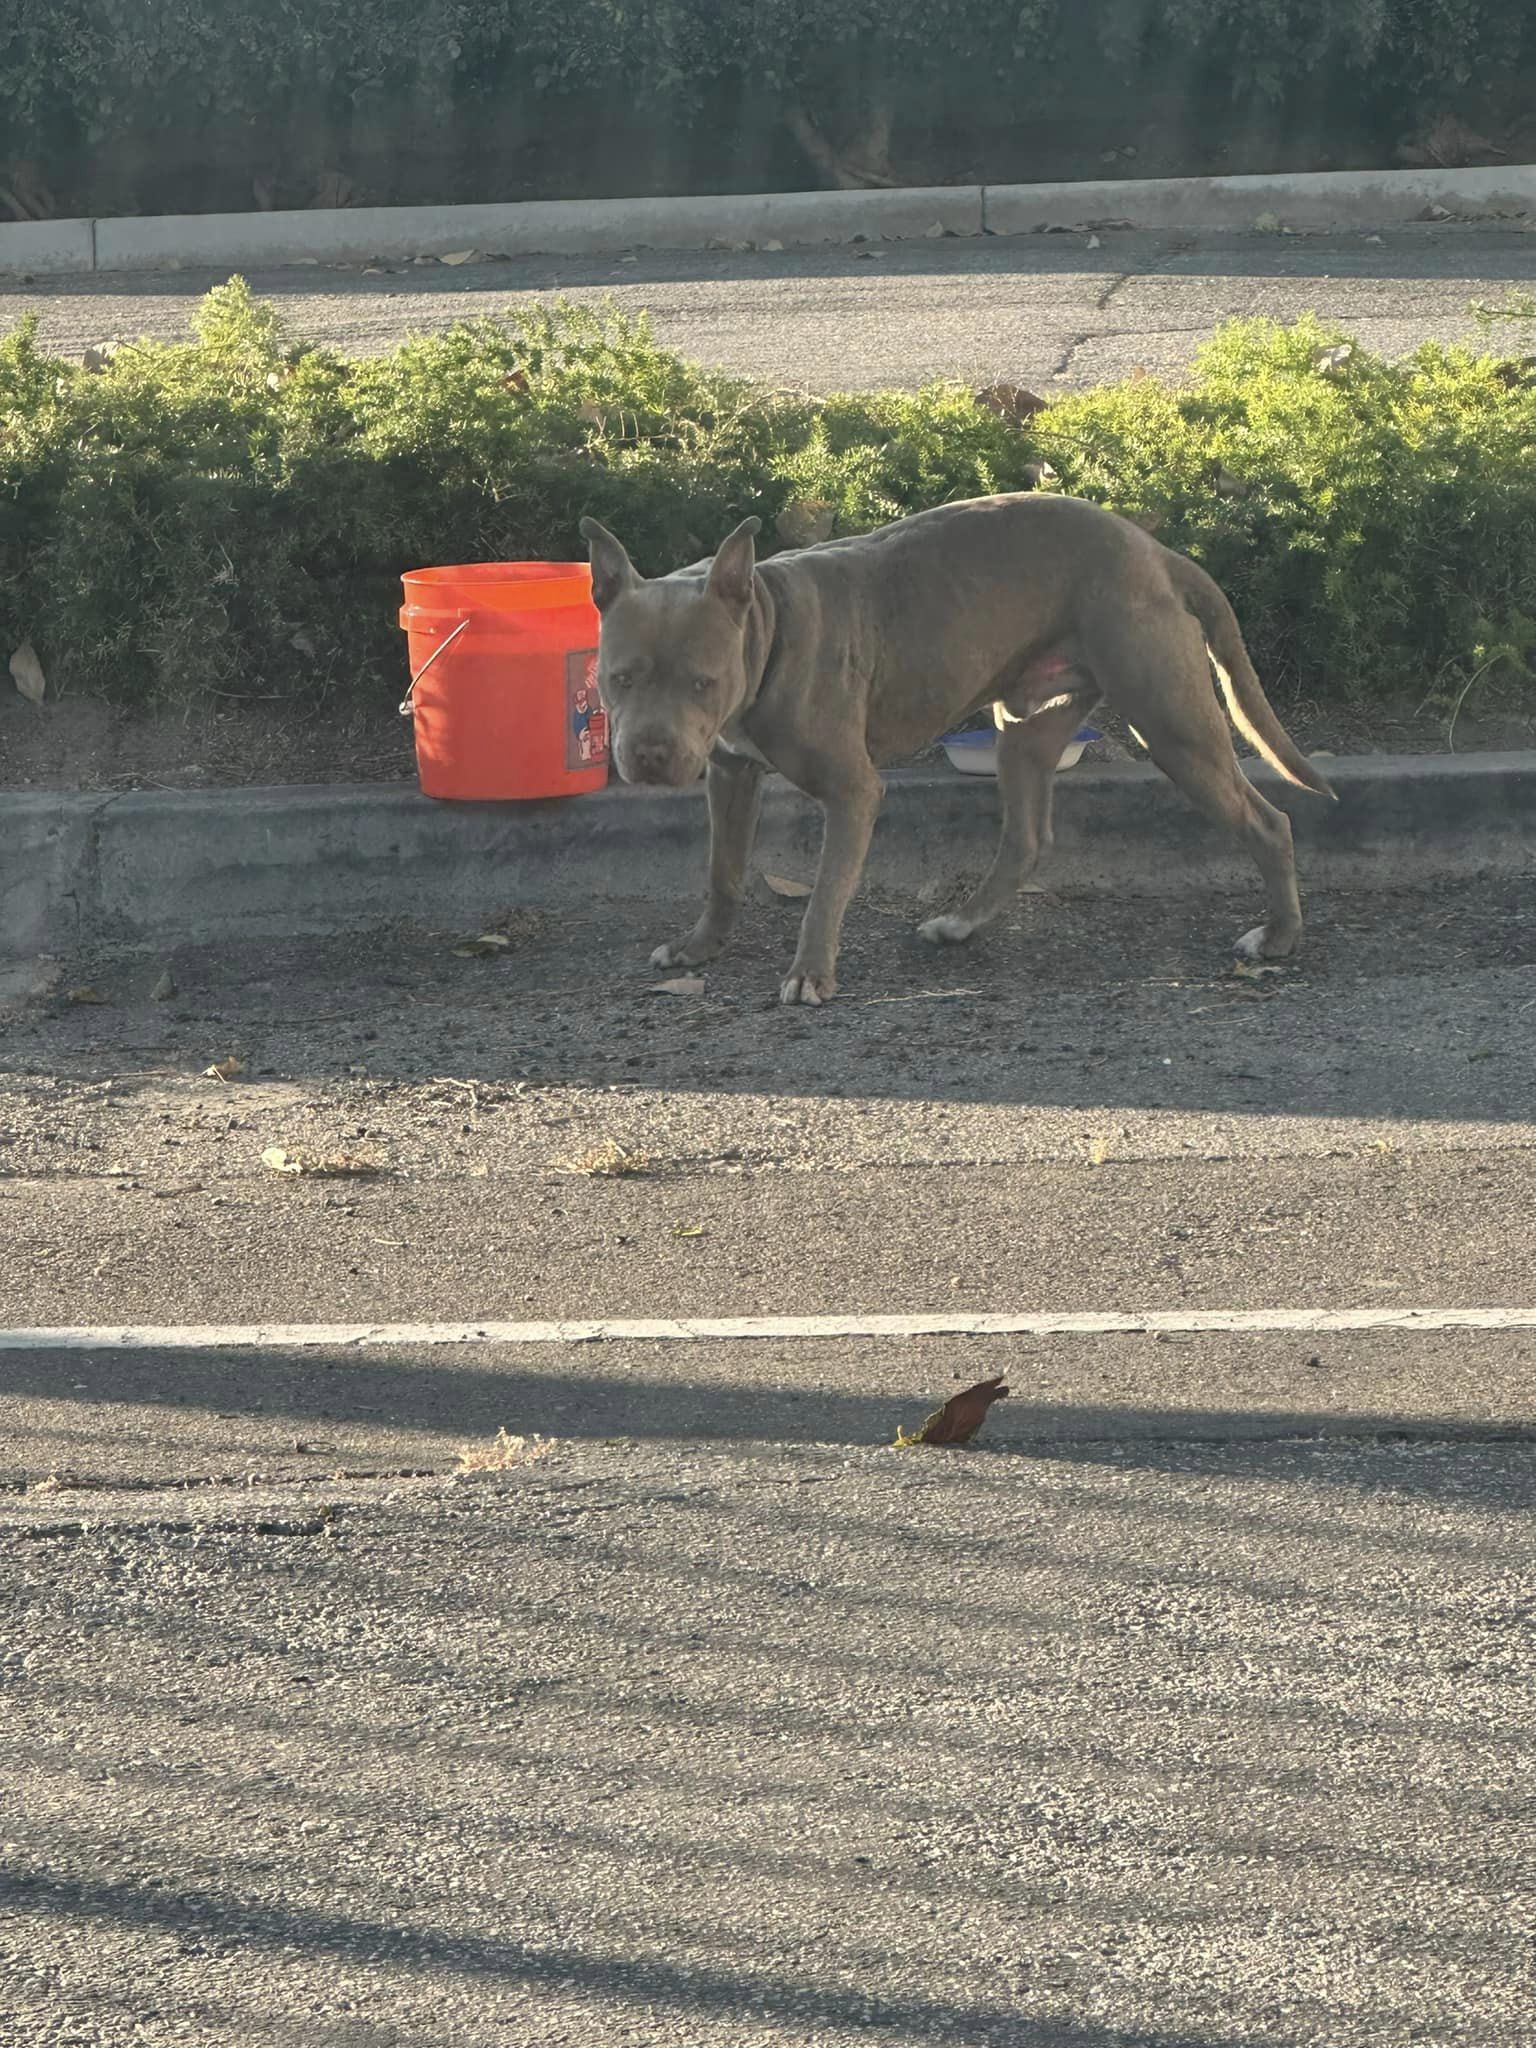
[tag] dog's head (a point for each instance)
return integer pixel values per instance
(672, 656)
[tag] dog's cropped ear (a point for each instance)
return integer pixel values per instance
(612, 571)
(731, 572)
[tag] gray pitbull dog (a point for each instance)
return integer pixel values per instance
(824, 661)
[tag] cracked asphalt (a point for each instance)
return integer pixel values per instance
(1041, 309)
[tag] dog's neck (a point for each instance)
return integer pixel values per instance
(757, 643)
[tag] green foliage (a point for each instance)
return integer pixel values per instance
(93, 68)
(233, 515)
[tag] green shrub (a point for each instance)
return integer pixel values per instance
(231, 516)
(93, 69)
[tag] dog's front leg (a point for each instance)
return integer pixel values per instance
(850, 819)
(734, 786)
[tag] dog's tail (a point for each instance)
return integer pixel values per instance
(1247, 706)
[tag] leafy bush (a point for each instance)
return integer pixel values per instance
(232, 515)
(89, 69)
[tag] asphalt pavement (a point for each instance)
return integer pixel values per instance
(595, 1693)
(1047, 309)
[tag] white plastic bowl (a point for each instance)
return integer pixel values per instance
(975, 753)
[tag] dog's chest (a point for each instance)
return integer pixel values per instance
(735, 741)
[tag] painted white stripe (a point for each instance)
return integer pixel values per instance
(786, 1329)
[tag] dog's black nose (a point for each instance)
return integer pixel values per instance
(652, 761)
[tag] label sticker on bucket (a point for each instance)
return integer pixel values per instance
(586, 722)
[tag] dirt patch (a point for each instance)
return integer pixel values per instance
(87, 744)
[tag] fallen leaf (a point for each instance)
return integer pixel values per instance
(781, 885)
(483, 947)
(459, 256)
(1093, 242)
(1433, 212)
(684, 985)
(503, 1452)
(1254, 970)
(1328, 360)
(608, 1161)
(301, 1159)
(689, 1230)
(960, 1417)
(1011, 402)
(164, 989)
(224, 1070)
(1267, 224)
(1098, 1151)
(27, 671)
(85, 995)
(805, 521)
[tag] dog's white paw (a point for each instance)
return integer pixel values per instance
(805, 988)
(948, 930)
(673, 956)
(1263, 944)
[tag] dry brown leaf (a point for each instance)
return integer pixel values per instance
(608, 1161)
(781, 885)
(1254, 970)
(503, 1453)
(27, 673)
(1011, 402)
(225, 1070)
(85, 995)
(164, 989)
(1331, 360)
(805, 521)
(683, 985)
(960, 1417)
(482, 948)
(303, 1159)
(458, 256)
(689, 1230)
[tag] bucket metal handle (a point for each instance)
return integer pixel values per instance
(407, 708)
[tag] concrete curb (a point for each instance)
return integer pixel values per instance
(582, 227)
(167, 867)
(1314, 199)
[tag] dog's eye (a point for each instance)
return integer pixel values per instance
(702, 685)
(619, 680)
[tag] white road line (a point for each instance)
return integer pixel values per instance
(717, 1329)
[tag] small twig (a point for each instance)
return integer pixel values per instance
(927, 995)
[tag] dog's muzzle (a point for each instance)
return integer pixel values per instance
(658, 762)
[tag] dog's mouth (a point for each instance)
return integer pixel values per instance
(660, 771)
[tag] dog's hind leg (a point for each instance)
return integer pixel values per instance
(1027, 752)
(1157, 675)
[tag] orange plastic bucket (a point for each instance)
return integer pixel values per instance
(504, 680)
